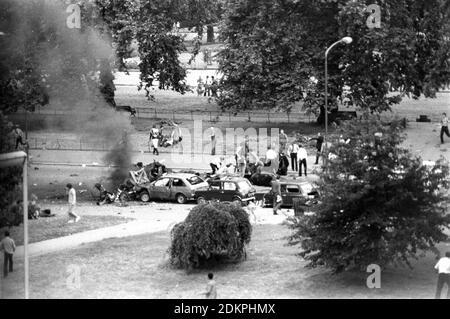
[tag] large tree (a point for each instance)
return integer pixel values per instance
(274, 48)
(380, 204)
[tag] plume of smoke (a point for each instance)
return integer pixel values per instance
(69, 61)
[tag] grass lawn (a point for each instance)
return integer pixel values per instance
(54, 227)
(136, 267)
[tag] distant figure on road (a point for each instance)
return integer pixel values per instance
(214, 87)
(19, 136)
(283, 141)
(211, 291)
(292, 153)
(9, 247)
(319, 145)
(154, 138)
(213, 141)
(200, 88)
(72, 200)
(207, 86)
(302, 160)
(444, 127)
(443, 268)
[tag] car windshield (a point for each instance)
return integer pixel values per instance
(195, 180)
(245, 186)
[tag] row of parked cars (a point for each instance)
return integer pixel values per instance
(183, 188)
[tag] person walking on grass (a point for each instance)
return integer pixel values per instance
(444, 127)
(443, 268)
(211, 291)
(72, 200)
(9, 247)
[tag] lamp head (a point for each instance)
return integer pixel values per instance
(347, 40)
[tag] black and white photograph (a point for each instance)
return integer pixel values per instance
(224, 154)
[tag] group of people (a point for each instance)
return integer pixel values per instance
(246, 161)
(208, 88)
(157, 138)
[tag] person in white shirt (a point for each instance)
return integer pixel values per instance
(292, 152)
(444, 127)
(207, 86)
(302, 160)
(443, 268)
(72, 200)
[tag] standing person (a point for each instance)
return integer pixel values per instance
(276, 193)
(9, 247)
(72, 200)
(443, 268)
(200, 86)
(292, 152)
(19, 136)
(154, 137)
(214, 86)
(302, 160)
(211, 291)
(284, 165)
(207, 86)
(319, 145)
(444, 127)
(213, 141)
(283, 141)
(272, 160)
(240, 160)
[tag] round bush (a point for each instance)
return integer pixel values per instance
(211, 233)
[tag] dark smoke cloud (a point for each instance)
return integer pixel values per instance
(69, 61)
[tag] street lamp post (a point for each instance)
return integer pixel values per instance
(346, 40)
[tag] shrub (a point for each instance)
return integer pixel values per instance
(211, 233)
(380, 203)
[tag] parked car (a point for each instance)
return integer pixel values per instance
(178, 187)
(227, 189)
(291, 190)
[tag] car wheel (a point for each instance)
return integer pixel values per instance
(181, 199)
(124, 197)
(201, 200)
(144, 196)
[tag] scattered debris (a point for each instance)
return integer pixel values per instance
(73, 175)
(80, 183)
(83, 191)
(36, 168)
(83, 165)
(34, 184)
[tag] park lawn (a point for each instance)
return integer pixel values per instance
(54, 227)
(136, 267)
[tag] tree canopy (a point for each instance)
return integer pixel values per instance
(380, 204)
(274, 53)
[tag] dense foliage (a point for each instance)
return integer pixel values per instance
(211, 233)
(10, 177)
(274, 53)
(380, 203)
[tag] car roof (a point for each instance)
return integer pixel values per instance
(230, 179)
(180, 175)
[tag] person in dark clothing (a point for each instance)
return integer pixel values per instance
(319, 145)
(284, 165)
(444, 127)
